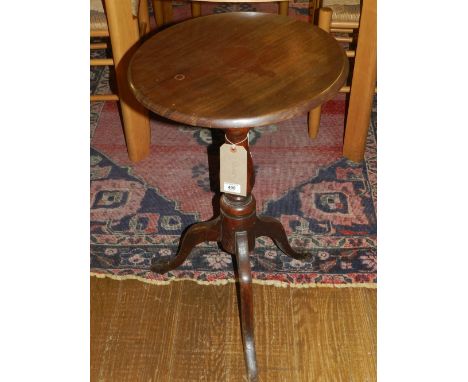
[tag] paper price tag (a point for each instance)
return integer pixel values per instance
(233, 169)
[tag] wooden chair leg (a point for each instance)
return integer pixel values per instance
(246, 302)
(158, 12)
(124, 36)
(313, 7)
(196, 8)
(143, 16)
(363, 86)
(283, 8)
(324, 22)
(167, 11)
(314, 121)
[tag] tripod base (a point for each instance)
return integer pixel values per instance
(236, 228)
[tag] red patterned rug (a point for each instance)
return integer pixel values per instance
(326, 203)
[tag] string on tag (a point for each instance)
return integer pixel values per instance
(233, 145)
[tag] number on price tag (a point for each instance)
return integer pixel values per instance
(231, 187)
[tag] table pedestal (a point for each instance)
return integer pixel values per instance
(236, 228)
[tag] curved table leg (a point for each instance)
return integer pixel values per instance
(246, 302)
(271, 227)
(196, 234)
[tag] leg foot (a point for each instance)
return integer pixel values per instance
(246, 302)
(196, 234)
(271, 227)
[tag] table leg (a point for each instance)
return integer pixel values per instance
(196, 234)
(246, 304)
(271, 227)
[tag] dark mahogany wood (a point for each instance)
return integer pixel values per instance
(246, 308)
(271, 227)
(236, 228)
(233, 70)
(196, 234)
(236, 71)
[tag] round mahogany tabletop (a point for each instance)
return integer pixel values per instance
(237, 70)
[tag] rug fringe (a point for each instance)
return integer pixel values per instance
(276, 283)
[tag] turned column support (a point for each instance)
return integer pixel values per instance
(235, 229)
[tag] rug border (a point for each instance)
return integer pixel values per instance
(276, 283)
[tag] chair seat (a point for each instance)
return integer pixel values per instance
(343, 12)
(98, 20)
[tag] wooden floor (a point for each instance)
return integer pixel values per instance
(188, 332)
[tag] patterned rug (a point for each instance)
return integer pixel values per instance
(326, 203)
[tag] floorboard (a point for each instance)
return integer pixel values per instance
(189, 332)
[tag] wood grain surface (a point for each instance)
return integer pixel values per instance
(124, 36)
(188, 332)
(363, 85)
(234, 70)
